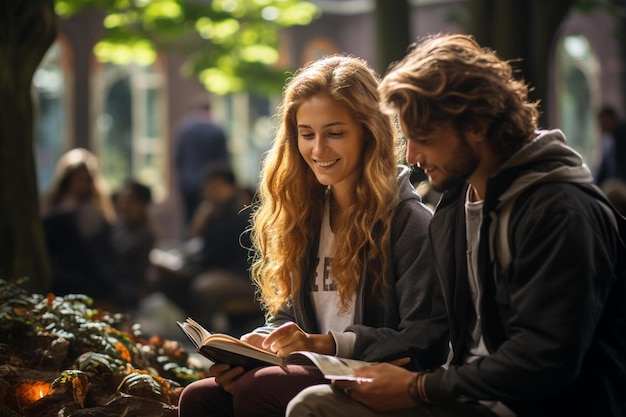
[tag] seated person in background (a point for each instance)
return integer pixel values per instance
(615, 191)
(613, 145)
(77, 218)
(340, 240)
(215, 277)
(133, 234)
(220, 221)
(536, 298)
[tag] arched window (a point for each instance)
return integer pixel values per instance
(131, 126)
(576, 92)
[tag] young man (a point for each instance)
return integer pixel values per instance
(527, 250)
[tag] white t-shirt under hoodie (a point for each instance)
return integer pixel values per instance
(325, 296)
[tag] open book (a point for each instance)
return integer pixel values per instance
(222, 348)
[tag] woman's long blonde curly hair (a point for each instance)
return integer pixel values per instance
(291, 200)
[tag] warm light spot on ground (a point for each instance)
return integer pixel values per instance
(28, 392)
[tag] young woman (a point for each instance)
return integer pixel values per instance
(339, 235)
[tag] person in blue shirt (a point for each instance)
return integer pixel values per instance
(200, 145)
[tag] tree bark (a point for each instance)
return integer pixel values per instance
(393, 31)
(621, 5)
(27, 29)
(522, 31)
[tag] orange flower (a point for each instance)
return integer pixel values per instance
(124, 352)
(50, 298)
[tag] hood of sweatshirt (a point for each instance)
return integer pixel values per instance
(546, 159)
(406, 190)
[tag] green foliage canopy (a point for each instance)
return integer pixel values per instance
(230, 45)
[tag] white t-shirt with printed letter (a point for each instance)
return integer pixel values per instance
(324, 289)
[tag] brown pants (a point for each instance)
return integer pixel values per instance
(262, 392)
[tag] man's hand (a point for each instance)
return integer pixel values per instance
(387, 390)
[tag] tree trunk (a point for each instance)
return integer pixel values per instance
(393, 31)
(27, 29)
(622, 47)
(523, 31)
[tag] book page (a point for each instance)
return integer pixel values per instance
(196, 333)
(331, 366)
(198, 328)
(223, 348)
(262, 357)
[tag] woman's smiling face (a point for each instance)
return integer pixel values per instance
(331, 142)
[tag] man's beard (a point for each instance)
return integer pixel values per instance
(463, 164)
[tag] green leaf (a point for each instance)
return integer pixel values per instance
(141, 52)
(220, 39)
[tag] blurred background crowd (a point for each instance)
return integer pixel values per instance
(105, 243)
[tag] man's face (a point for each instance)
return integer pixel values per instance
(445, 157)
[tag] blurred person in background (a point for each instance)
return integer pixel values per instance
(77, 220)
(613, 145)
(212, 276)
(200, 144)
(615, 191)
(134, 234)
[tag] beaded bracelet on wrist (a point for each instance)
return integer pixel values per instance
(414, 391)
(421, 387)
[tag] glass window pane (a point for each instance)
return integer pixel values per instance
(117, 161)
(50, 115)
(576, 94)
(130, 127)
